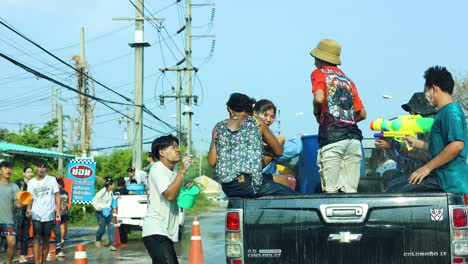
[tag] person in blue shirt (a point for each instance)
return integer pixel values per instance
(446, 146)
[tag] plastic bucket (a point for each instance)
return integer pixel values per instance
(24, 197)
(309, 177)
(187, 196)
(137, 188)
(106, 211)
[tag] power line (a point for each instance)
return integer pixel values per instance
(62, 61)
(43, 76)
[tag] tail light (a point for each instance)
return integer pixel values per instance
(459, 235)
(459, 217)
(233, 221)
(234, 239)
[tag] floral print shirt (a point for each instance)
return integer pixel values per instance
(239, 151)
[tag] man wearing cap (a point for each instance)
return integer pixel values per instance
(8, 202)
(337, 108)
(447, 143)
(408, 160)
(45, 209)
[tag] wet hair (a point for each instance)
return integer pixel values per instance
(240, 103)
(109, 182)
(121, 182)
(161, 143)
(440, 76)
(26, 168)
(42, 163)
(61, 182)
(5, 164)
(264, 105)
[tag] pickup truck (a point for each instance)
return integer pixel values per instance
(364, 227)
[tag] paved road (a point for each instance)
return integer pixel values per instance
(212, 232)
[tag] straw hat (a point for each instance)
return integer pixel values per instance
(24, 197)
(328, 50)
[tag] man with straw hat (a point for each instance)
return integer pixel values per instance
(337, 108)
(8, 201)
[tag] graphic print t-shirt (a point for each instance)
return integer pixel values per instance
(340, 103)
(43, 193)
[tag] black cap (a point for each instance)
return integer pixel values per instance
(131, 169)
(418, 104)
(5, 163)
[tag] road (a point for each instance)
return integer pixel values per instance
(212, 232)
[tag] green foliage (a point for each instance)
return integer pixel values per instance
(79, 217)
(114, 165)
(460, 94)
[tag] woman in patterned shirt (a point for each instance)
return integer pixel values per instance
(236, 151)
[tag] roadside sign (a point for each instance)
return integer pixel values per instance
(83, 173)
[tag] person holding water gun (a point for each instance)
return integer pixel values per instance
(408, 159)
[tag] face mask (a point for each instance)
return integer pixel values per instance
(429, 97)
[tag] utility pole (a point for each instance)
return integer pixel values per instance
(60, 138)
(139, 46)
(83, 99)
(178, 88)
(71, 143)
(188, 75)
(129, 127)
(53, 103)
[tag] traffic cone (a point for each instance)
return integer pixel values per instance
(116, 229)
(80, 254)
(196, 250)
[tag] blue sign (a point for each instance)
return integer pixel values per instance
(83, 174)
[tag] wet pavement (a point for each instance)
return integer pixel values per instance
(212, 233)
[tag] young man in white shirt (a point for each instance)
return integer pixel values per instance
(161, 224)
(45, 208)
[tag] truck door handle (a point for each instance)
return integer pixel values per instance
(344, 213)
(142, 201)
(344, 237)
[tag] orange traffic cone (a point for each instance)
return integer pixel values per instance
(80, 254)
(116, 229)
(196, 250)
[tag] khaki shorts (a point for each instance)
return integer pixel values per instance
(339, 165)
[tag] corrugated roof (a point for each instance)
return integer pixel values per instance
(26, 150)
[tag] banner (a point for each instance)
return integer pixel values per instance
(83, 173)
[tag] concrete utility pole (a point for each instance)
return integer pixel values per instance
(139, 46)
(129, 127)
(178, 88)
(60, 138)
(188, 75)
(71, 143)
(83, 99)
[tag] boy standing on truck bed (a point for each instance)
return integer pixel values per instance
(447, 148)
(337, 108)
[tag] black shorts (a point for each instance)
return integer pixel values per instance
(63, 218)
(42, 229)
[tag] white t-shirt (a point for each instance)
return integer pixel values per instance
(43, 193)
(102, 199)
(163, 215)
(140, 177)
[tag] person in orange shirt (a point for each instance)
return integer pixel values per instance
(338, 109)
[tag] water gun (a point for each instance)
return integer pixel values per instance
(401, 126)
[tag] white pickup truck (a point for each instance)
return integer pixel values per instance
(132, 209)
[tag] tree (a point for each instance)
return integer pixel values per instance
(460, 94)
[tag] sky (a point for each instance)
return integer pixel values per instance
(261, 49)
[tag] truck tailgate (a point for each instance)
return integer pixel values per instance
(132, 206)
(348, 228)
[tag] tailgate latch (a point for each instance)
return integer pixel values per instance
(344, 213)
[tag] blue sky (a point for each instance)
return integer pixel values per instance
(262, 49)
